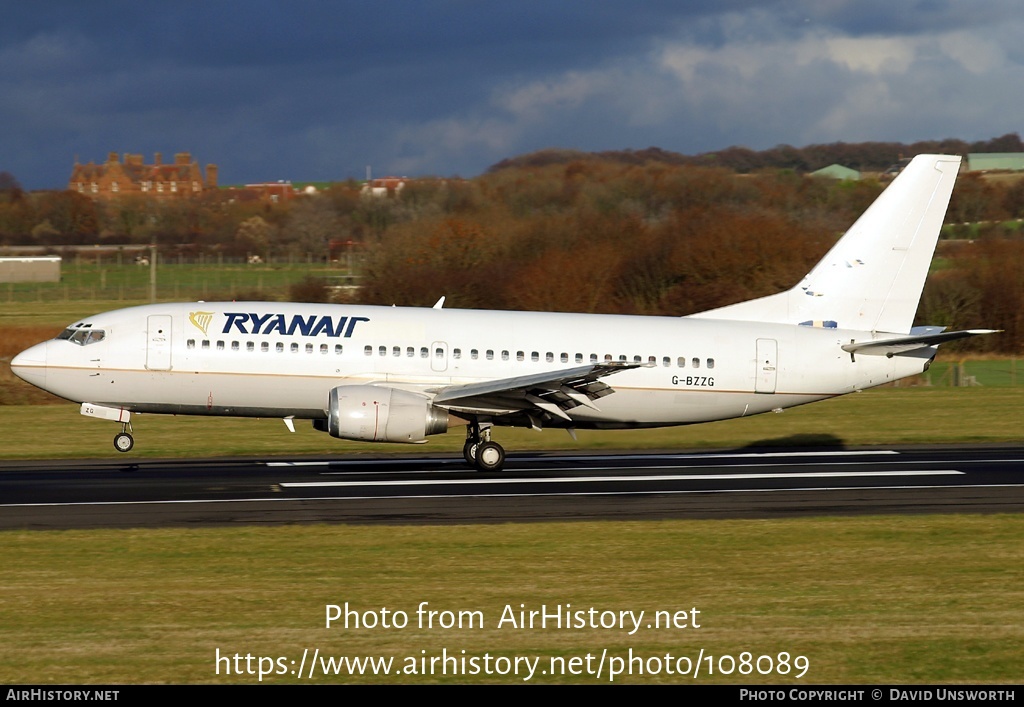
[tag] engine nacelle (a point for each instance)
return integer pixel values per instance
(372, 414)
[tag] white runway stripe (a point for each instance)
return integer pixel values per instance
(601, 479)
(598, 457)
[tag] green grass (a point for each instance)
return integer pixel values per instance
(867, 600)
(979, 372)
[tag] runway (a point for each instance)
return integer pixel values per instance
(533, 487)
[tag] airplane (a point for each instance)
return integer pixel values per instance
(401, 374)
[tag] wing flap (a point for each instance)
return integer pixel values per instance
(551, 392)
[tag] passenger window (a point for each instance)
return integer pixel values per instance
(383, 350)
(250, 345)
(280, 347)
(396, 351)
(456, 353)
(666, 362)
(681, 362)
(367, 350)
(323, 348)
(565, 358)
(295, 349)
(234, 346)
(711, 363)
(474, 354)
(191, 344)
(309, 348)
(696, 362)
(579, 358)
(206, 343)
(490, 354)
(593, 358)
(520, 356)
(424, 352)
(338, 348)
(504, 355)
(265, 346)
(220, 345)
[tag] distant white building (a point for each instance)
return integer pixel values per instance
(42, 269)
(989, 161)
(385, 186)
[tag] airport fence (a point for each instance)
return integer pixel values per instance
(179, 278)
(993, 373)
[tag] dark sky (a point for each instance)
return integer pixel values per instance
(319, 90)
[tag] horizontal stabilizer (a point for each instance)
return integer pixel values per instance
(903, 344)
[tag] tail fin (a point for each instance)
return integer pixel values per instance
(871, 279)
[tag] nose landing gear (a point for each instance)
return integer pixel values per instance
(123, 440)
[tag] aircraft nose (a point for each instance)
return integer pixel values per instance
(30, 365)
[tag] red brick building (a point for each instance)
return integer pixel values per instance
(274, 192)
(179, 179)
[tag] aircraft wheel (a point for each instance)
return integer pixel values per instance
(123, 442)
(490, 457)
(469, 452)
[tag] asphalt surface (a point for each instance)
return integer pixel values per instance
(532, 487)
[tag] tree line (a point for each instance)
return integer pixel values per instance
(589, 235)
(861, 156)
(596, 236)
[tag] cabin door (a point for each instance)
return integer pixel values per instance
(767, 365)
(158, 342)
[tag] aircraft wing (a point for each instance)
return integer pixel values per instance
(552, 392)
(926, 336)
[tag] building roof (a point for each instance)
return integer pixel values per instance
(837, 171)
(984, 161)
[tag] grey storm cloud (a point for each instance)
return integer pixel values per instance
(318, 90)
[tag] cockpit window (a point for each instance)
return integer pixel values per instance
(82, 337)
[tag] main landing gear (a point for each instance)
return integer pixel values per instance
(123, 440)
(479, 451)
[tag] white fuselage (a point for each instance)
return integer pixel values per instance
(283, 359)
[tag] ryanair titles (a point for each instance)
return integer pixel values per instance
(295, 324)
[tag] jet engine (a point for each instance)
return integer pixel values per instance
(372, 414)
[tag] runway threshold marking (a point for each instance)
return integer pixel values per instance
(599, 479)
